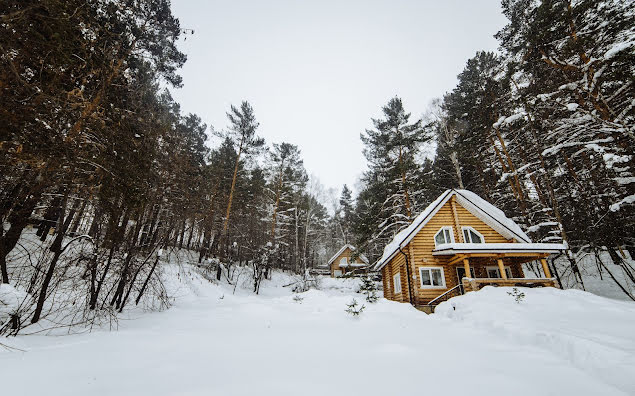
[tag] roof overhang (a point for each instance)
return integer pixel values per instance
(450, 249)
(356, 265)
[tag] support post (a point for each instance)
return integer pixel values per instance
(545, 268)
(501, 268)
(466, 265)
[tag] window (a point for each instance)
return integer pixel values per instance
(445, 235)
(396, 283)
(343, 260)
(432, 277)
(470, 235)
(494, 272)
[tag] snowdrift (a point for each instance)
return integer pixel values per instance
(595, 334)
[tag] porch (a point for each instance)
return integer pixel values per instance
(494, 264)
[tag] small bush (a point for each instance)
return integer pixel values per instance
(517, 294)
(353, 309)
(369, 289)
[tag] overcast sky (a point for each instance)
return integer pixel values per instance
(316, 72)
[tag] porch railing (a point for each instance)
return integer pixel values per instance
(473, 284)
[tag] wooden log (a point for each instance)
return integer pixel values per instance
(501, 268)
(545, 268)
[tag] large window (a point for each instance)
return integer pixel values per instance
(396, 283)
(431, 277)
(494, 272)
(470, 235)
(445, 235)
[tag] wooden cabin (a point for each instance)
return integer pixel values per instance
(457, 244)
(345, 260)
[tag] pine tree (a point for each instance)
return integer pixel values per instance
(344, 214)
(393, 189)
(242, 133)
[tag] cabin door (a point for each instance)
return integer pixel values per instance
(460, 273)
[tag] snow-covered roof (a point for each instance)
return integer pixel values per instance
(359, 265)
(352, 248)
(485, 211)
(455, 248)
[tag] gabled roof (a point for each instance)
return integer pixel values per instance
(485, 211)
(352, 248)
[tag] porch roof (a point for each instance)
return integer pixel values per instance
(357, 265)
(451, 249)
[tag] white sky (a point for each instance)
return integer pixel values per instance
(317, 71)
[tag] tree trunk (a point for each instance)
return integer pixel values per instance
(145, 283)
(18, 218)
(56, 247)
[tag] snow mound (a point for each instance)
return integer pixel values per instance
(10, 301)
(594, 333)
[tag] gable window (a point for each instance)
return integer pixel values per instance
(396, 283)
(343, 260)
(432, 277)
(445, 235)
(470, 235)
(494, 272)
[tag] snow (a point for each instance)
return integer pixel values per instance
(625, 180)
(572, 106)
(360, 265)
(611, 159)
(592, 333)
(454, 248)
(617, 48)
(556, 148)
(215, 342)
(569, 86)
(492, 211)
(625, 201)
(508, 120)
(498, 122)
(538, 226)
(10, 301)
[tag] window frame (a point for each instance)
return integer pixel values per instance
(495, 267)
(396, 280)
(442, 229)
(443, 284)
(468, 228)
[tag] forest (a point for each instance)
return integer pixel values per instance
(99, 161)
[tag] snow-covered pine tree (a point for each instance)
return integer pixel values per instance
(393, 188)
(242, 133)
(286, 180)
(344, 215)
(571, 62)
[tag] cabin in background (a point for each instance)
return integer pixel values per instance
(459, 243)
(345, 260)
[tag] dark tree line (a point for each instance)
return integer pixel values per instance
(104, 175)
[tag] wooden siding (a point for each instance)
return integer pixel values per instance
(396, 266)
(335, 265)
(420, 254)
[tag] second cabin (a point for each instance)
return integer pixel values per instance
(459, 243)
(346, 260)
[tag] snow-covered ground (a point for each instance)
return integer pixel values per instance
(216, 342)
